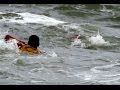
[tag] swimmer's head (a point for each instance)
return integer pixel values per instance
(33, 41)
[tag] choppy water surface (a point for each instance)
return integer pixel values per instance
(95, 60)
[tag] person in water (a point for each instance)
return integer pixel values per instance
(30, 48)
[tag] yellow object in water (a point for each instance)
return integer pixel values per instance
(29, 50)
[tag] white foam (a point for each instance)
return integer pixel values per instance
(2, 13)
(96, 69)
(88, 77)
(10, 45)
(69, 26)
(76, 42)
(34, 18)
(107, 10)
(52, 54)
(98, 40)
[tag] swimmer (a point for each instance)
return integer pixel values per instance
(30, 48)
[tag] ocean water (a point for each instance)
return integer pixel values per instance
(94, 59)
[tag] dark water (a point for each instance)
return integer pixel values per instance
(64, 63)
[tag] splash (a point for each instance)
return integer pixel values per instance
(9, 45)
(98, 40)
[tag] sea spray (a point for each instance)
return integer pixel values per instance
(98, 40)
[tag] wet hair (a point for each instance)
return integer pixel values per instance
(33, 41)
